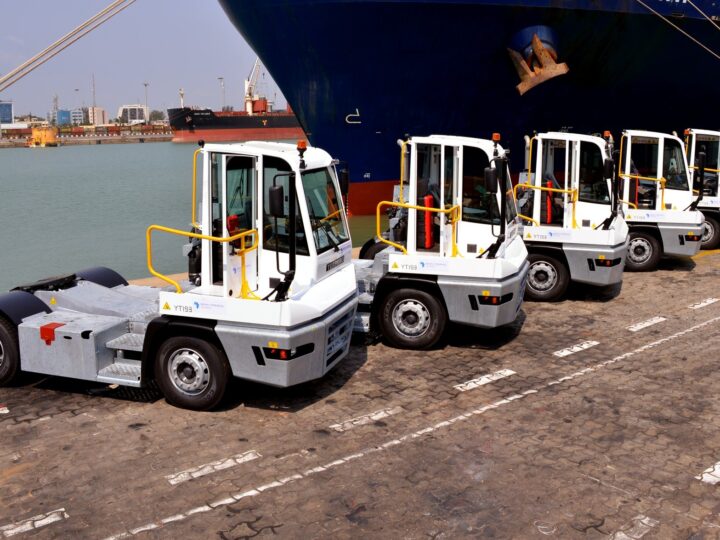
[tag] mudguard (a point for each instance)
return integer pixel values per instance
(17, 305)
(102, 276)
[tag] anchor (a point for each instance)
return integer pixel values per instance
(547, 69)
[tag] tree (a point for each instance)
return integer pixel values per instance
(157, 116)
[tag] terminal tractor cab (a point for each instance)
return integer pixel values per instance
(703, 150)
(572, 228)
(453, 250)
(273, 300)
(657, 198)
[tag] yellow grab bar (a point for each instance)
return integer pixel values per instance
(632, 205)
(660, 181)
(177, 232)
(454, 212)
(402, 169)
(528, 218)
(194, 222)
(530, 157)
(706, 169)
(573, 192)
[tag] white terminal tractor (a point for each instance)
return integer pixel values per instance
(572, 228)
(453, 249)
(657, 199)
(703, 150)
(272, 295)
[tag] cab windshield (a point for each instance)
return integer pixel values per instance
(326, 218)
(674, 165)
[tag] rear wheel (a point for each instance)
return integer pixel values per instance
(412, 319)
(9, 352)
(643, 252)
(548, 278)
(711, 233)
(191, 373)
(371, 249)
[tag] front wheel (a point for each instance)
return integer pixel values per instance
(9, 352)
(711, 233)
(191, 373)
(643, 252)
(412, 319)
(548, 278)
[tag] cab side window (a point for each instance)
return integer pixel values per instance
(276, 231)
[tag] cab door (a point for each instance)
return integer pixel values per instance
(239, 211)
(594, 204)
(449, 176)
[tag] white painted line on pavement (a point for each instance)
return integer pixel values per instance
(703, 303)
(639, 527)
(366, 419)
(710, 475)
(644, 324)
(412, 436)
(35, 522)
(576, 348)
(209, 468)
(485, 379)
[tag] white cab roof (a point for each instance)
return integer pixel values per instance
(314, 157)
(455, 140)
(651, 134)
(705, 132)
(563, 135)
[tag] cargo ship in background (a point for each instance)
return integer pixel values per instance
(361, 74)
(256, 122)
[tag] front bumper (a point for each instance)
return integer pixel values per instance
(596, 265)
(319, 346)
(681, 240)
(469, 301)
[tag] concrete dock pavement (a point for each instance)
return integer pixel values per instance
(492, 435)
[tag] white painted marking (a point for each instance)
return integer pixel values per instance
(639, 527)
(366, 419)
(4, 409)
(485, 379)
(644, 324)
(711, 475)
(419, 433)
(703, 303)
(35, 522)
(209, 468)
(576, 348)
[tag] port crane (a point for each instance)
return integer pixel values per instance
(573, 229)
(453, 250)
(705, 184)
(272, 301)
(657, 199)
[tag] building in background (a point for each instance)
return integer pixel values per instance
(79, 116)
(62, 117)
(6, 112)
(133, 114)
(97, 116)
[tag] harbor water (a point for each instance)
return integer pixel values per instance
(68, 208)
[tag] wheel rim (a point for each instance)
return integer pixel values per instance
(542, 276)
(708, 232)
(2, 354)
(188, 371)
(411, 318)
(639, 250)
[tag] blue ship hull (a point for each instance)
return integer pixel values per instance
(361, 74)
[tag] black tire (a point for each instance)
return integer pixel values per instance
(711, 233)
(9, 352)
(548, 278)
(371, 248)
(192, 373)
(644, 252)
(412, 319)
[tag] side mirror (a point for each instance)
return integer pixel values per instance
(276, 199)
(700, 164)
(491, 179)
(344, 182)
(609, 168)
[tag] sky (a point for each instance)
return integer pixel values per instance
(170, 44)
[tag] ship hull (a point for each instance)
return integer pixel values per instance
(192, 125)
(365, 73)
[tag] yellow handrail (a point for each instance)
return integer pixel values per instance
(194, 222)
(529, 176)
(177, 232)
(573, 192)
(402, 170)
(660, 181)
(632, 205)
(528, 218)
(707, 169)
(454, 212)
